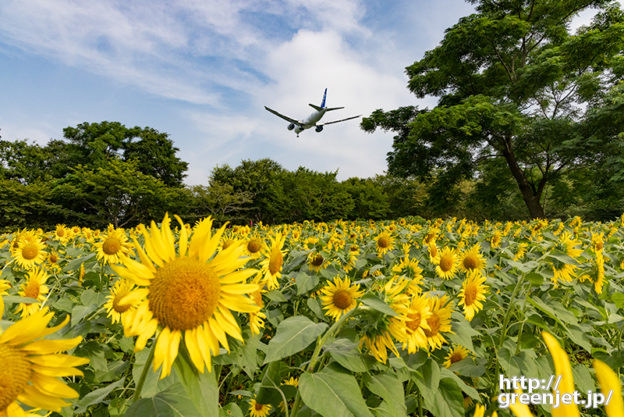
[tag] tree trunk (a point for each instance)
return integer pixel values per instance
(531, 199)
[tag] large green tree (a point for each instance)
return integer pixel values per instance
(515, 85)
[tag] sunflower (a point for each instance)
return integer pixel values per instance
(600, 273)
(447, 262)
(384, 243)
(4, 286)
(457, 353)
(522, 247)
(495, 241)
(254, 247)
(28, 251)
(472, 294)
(192, 294)
(339, 297)
(316, 262)
(122, 298)
(62, 233)
(258, 410)
(31, 367)
(354, 252)
(34, 287)
(570, 245)
(439, 321)
(471, 259)
(256, 319)
(480, 411)
(416, 324)
(564, 273)
(292, 381)
(113, 246)
(273, 261)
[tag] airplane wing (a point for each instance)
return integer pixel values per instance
(282, 116)
(341, 120)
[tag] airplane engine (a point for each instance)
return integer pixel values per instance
(291, 126)
(319, 128)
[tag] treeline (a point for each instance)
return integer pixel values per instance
(106, 173)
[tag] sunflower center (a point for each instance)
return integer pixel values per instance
(599, 246)
(470, 295)
(275, 264)
(111, 246)
(446, 263)
(254, 245)
(434, 326)
(383, 242)
(258, 406)
(30, 251)
(342, 299)
(318, 260)
(354, 248)
(53, 258)
(470, 262)
(184, 293)
(14, 374)
(414, 322)
(456, 356)
(117, 306)
(32, 289)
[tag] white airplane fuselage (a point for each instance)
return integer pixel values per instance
(310, 121)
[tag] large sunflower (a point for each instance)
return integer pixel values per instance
(339, 297)
(384, 243)
(273, 261)
(191, 294)
(34, 287)
(31, 367)
(473, 293)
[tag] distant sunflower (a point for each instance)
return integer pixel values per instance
(447, 263)
(256, 319)
(384, 242)
(123, 296)
(416, 323)
(32, 365)
(191, 294)
(472, 294)
(457, 353)
(440, 320)
(62, 233)
(316, 261)
(273, 261)
(495, 240)
(340, 297)
(472, 259)
(4, 286)
(563, 273)
(29, 250)
(258, 410)
(254, 247)
(599, 282)
(113, 246)
(34, 287)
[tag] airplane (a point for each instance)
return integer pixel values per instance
(311, 121)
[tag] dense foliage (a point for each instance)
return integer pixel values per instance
(345, 318)
(522, 104)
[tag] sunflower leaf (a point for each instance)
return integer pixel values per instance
(377, 304)
(293, 335)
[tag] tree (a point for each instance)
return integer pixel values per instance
(513, 85)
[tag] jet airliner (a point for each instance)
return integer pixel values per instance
(311, 121)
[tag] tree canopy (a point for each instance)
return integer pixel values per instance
(515, 85)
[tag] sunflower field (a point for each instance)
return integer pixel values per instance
(410, 317)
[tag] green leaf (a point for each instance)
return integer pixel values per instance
(333, 394)
(471, 391)
(305, 282)
(200, 388)
(315, 306)
(75, 264)
(463, 332)
(268, 387)
(246, 357)
(447, 400)
(618, 299)
(347, 354)
(293, 335)
(231, 410)
(390, 389)
(377, 304)
(97, 396)
(172, 402)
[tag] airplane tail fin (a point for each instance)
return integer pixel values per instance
(324, 97)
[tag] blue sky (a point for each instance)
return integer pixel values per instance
(202, 70)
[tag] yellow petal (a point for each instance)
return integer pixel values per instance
(190, 340)
(183, 238)
(562, 368)
(611, 387)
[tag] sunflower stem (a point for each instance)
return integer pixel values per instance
(148, 363)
